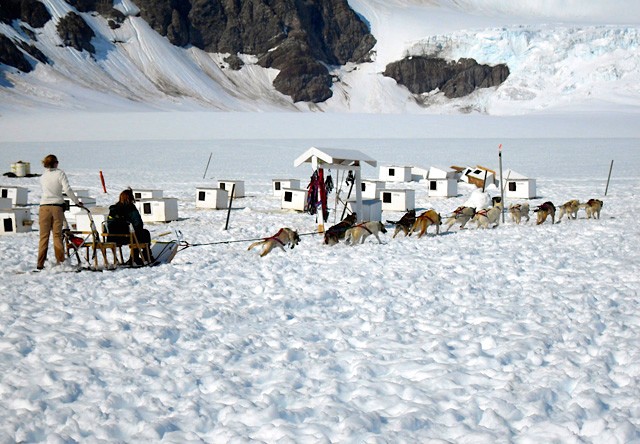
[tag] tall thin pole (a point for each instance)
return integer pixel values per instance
(608, 178)
(205, 170)
(501, 187)
(233, 189)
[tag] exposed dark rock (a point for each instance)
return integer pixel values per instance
(12, 56)
(34, 52)
(234, 62)
(326, 31)
(30, 11)
(306, 80)
(75, 32)
(455, 79)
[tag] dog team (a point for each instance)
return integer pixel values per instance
(355, 233)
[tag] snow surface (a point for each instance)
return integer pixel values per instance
(521, 333)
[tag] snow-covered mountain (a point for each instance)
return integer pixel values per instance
(561, 55)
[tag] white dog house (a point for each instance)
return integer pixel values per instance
(147, 194)
(371, 209)
(213, 198)
(338, 159)
(518, 186)
(371, 188)
(293, 199)
(393, 173)
(442, 182)
(277, 185)
(158, 210)
(398, 200)
(18, 195)
(15, 220)
(227, 185)
(418, 174)
(99, 215)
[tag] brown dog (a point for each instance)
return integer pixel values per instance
(593, 207)
(405, 223)
(425, 220)
(570, 208)
(518, 211)
(284, 237)
(333, 235)
(545, 210)
(460, 215)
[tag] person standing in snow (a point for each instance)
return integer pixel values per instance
(54, 183)
(123, 213)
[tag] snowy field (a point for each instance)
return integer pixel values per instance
(522, 333)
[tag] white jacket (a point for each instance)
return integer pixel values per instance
(54, 182)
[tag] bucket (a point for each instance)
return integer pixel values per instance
(20, 168)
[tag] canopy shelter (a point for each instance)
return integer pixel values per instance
(339, 159)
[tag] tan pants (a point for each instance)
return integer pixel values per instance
(51, 219)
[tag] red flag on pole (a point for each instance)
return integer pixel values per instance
(104, 187)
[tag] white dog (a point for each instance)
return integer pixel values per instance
(518, 211)
(460, 215)
(358, 233)
(285, 236)
(489, 216)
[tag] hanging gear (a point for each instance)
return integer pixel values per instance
(328, 184)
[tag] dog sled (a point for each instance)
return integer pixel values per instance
(97, 251)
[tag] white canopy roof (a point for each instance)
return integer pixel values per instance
(334, 156)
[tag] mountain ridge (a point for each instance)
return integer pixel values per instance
(135, 67)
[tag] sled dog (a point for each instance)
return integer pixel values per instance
(336, 232)
(424, 221)
(460, 215)
(488, 216)
(518, 211)
(593, 207)
(570, 208)
(284, 237)
(545, 210)
(405, 223)
(358, 233)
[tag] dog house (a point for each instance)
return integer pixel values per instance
(393, 173)
(15, 220)
(293, 199)
(479, 176)
(99, 215)
(147, 194)
(21, 169)
(442, 182)
(227, 185)
(18, 195)
(398, 200)
(371, 209)
(371, 188)
(213, 198)
(158, 210)
(277, 185)
(518, 186)
(418, 174)
(338, 159)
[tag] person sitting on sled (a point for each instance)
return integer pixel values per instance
(123, 213)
